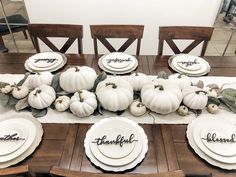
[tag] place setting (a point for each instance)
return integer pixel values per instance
(118, 63)
(189, 65)
(116, 144)
(214, 140)
(19, 137)
(45, 61)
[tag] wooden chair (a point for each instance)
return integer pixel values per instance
(102, 32)
(44, 31)
(198, 34)
(16, 171)
(57, 171)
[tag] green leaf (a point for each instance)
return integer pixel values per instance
(120, 112)
(4, 99)
(229, 104)
(136, 95)
(39, 112)
(197, 112)
(22, 104)
(100, 78)
(12, 101)
(23, 80)
(56, 82)
(229, 94)
(163, 75)
(213, 100)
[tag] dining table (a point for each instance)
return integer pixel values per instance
(168, 148)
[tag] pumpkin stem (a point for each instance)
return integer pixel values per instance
(199, 91)
(113, 85)
(80, 96)
(136, 74)
(37, 91)
(77, 69)
(140, 104)
(180, 76)
(160, 87)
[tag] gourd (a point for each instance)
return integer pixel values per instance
(114, 94)
(6, 89)
(181, 80)
(194, 97)
(212, 108)
(83, 103)
(182, 110)
(77, 78)
(42, 78)
(161, 96)
(62, 103)
(137, 108)
(41, 97)
(20, 92)
(138, 80)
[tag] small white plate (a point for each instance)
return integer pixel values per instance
(30, 129)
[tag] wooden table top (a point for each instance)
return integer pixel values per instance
(62, 144)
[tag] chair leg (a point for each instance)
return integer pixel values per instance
(25, 34)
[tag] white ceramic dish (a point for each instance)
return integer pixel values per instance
(115, 155)
(198, 151)
(30, 129)
(33, 146)
(116, 168)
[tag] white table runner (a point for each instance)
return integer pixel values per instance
(149, 118)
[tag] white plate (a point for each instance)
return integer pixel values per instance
(49, 69)
(118, 61)
(33, 146)
(117, 72)
(115, 155)
(28, 127)
(116, 168)
(201, 121)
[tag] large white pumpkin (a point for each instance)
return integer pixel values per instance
(138, 80)
(181, 80)
(78, 78)
(194, 97)
(161, 96)
(41, 97)
(83, 103)
(43, 78)
(115, 94)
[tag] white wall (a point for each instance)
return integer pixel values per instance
(151, 13)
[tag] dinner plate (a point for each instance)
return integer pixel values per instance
(115, 154)
(130, 165)
(198, 151)
(30, 130)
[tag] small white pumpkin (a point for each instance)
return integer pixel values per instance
(138, 80)
(62, 103)
(115, 94)
(212, 108)
(42, 78)
(20, 92)
(42, 97)
(137, 108)
(6, 89)
(194, 97)
(181, 80)
(210, 92)
(182, 110)
(161, 96)
(78, 78)
(83, 103)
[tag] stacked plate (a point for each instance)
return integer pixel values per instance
(47, 61)
(19, 136)
(189, 65)
(214, 140)
(116, 144)
(117, 63)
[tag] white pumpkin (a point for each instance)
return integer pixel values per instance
(62, 103)
(83, 103)
(42, 78)
(161, 96)
(182, 110)
(138, 80)
(20, 92)
(210, 92)
(41, 97)
(137, 108)
(6, 89)
(181, 80)
(115, 94)
(78, 78)
(194, 97)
